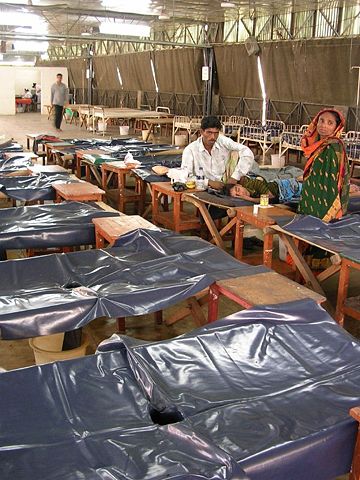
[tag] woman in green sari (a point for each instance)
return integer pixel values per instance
(325, 192)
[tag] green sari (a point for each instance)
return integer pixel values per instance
(325, 192)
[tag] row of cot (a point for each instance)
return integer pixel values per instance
(255, 427)
(275, 134)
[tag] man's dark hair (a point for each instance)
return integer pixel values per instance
(210, 122)
(59, 75)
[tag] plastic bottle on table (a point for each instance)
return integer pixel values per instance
(200, 179)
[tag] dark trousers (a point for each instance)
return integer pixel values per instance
(58, 115)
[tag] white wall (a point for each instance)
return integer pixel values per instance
(25, 77)
(10, 82)
(7, 91)
(48, 77)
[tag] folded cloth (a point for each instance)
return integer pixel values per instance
(289, 189)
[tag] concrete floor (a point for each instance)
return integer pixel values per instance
(18, 354)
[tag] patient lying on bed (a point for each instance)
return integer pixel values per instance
(279, 190)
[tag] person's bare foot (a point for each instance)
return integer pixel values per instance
(58, 130)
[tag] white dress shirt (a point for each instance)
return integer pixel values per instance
(195, 156)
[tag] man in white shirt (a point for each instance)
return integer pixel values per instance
(212, 152)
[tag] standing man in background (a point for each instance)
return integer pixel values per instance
(59, 98)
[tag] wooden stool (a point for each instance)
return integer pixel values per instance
(176, 219)
(43, 156)
(109, 229)
(78, 192)
(266, 288)
(121, 321)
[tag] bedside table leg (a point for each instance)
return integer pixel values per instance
(120, 323)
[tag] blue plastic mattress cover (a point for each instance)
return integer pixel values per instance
(88, 418)
(271, 386)
(341, 236)
(32, 188)
(55, 225)
(150, 270)
(15, 163)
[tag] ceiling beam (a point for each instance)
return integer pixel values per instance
(92, 38)
(64, 9)
(98, 13)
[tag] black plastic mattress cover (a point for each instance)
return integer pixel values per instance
(341, 236)
(35, 187)
(171, 161)
(354, 204)
(138, 149)
(147, 162)
(88, 418)
(214, 196)
(150, 270)
(55, 225)
(147, 175)
(102, 142)
(14, 163)
(272, 386)
(14, 147)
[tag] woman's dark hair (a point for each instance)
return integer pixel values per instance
(337, 117)
(210, 122)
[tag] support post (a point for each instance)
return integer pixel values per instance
(90, 74)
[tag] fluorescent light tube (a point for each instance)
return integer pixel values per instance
(125, 29)
(228, 5)
(30, 46)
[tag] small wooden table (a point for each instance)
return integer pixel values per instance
(126, 195)
(78, 192)
(79, 155)
(36, 169)
(31, 137)
(74, 108)
(265, 218)
(26, 155)
(176, 219)
(266, 288)
(50, 146)
(111, 228)
(24, 102)
(292, 242)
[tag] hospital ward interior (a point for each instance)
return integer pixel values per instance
(180, 240)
